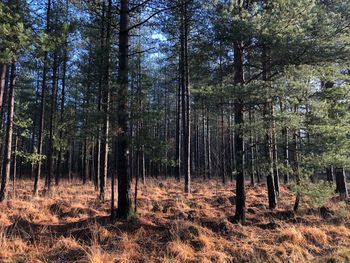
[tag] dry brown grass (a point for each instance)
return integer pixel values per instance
(72, 225)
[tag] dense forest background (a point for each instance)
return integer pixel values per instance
(121, 92)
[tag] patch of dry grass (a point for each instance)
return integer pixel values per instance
(72, 225)
(291, 235)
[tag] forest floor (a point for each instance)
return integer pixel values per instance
(72, 225)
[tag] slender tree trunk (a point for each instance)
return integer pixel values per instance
(258, 159)
(143, 164)
(98, 176)
(251, 149)
(137, 183)
(14, 168)
(204, 147)
(296, 168)
(178, 132)
(3, 93)
(105, 143)
(222, 155)
(9, 132)
(268, 112)
(63, 94)
(141, 158)
(275, 152)
(42, 107)
(32, 164)
(209, 163)
(51, 121)
(70, 162)
(124, 199)
(3, 69)
(106, 108)
(84, 161)
(230, 148)
(185, 97)
(238, 137)
(166, 126)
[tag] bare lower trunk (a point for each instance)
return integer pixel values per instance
(238, 137)
(9, 132)
(342, 187)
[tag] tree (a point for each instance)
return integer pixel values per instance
(5, 173)
(124, 200)
(42, 106)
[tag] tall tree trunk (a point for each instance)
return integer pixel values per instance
(296, 168)
(84, 161)
(251, 149)
(32, 148)
(106, 108)
(63, 94)
(9, 132)
(166, 126)
(42, 108)
(141, 158)
(208, 139)
(105, 97)
(222, 152)
(14, 168)
(70, 162)
(238, 137)
(230, 148)
(185, 99)
(178, 132)
(98, 177)
(204, 147)
(285, 135)
(124, 199)
(51, 122)
(271, 190)
(275, 152)
(3, 69)
(268, 115)
(3, 93)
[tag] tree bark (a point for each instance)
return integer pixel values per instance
(286, 154)
(268, 120)
(296, 168)
(330, 174)
(275, 152)
(14, 168)
(3, 69)
(63, 94)
(9, 132)
(51, 121)
(124, 198)
(208, 149)
(42, 107)
(185, 99)
(251, 148)
(238, 136)
(106, 109)
(178, 132)
(342, 187)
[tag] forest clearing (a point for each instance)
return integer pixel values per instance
(73, 225)
(174, 131)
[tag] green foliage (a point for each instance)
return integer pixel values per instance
(317, 193)
(14, 36)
